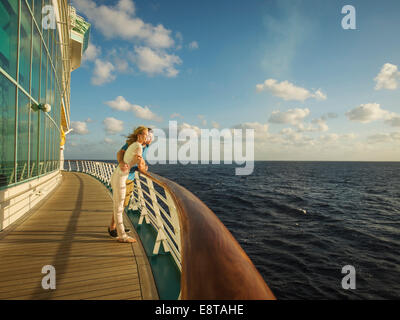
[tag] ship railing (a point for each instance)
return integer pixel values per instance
(212, 263)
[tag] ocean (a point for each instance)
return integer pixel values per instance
(302, 222)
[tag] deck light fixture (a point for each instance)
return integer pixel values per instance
(45, 107)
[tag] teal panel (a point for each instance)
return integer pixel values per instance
(9, 36)
(165, 272)
(7, 131)
(25, 47)
(23, 137)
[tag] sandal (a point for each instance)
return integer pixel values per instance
(112, 233)
(128, 239)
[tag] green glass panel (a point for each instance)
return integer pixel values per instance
(30, 3)
(42, 142)
(51, 45)
(43, 76)
(38, 13)
(9, 36)
(57, 151)
(48, 83)
(7, 131)
(49, 143)
(34, 136)
(25, 47)
(53, 154)
(57, 107)
(23, 136)
(45, 32)
(36, 64)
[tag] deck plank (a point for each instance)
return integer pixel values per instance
(69, 232)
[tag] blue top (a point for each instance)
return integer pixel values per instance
(131, 175)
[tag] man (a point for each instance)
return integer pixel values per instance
(142, 168)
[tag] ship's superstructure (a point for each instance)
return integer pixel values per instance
(41, 42)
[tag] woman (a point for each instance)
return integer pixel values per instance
(132, 156)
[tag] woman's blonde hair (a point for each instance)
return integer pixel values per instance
(133, 136)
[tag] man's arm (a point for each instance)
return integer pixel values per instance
(142, 167)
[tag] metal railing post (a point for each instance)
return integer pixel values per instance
(142, 204)
(161, 237)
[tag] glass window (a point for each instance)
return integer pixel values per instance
(38, 13)
(45, 32)
(34, 125)
(58, 107)
(35, 64)
(23, 137)
(57, 148)
(42, 142)
(49, 143)
(51, 44)
(48, 83)
(9, 36)
(43, 76)
(30, 3)
(7, 131)
(25, 47)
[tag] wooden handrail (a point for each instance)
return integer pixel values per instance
(214, 266)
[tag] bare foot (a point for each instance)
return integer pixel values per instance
(129, 239)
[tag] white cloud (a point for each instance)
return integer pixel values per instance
(260, 130)
(154, 62)
(215, 124)
(176, 115)
(349, 136)
(121, 104)
(79, 127)
(91, 53)
(108, 140)
(288, 91)
(102, 72)
(292, 116)
(331, 137)
(193, 45)
(321, 124)
(202, 119)
(307, 127)
(120, 21)
(394, 120)
(112, 125)
(120, 59)
(388, 77)
(384, 137)
(290, 137)
(185, 125)
(368, 112)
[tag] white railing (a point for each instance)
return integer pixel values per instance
(153, 200)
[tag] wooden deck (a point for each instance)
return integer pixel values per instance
(69, 232)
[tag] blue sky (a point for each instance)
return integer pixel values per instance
(309, 88)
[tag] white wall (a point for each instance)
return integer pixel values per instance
(18, 200)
